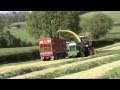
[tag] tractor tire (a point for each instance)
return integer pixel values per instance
(90, 52)
(42, 58)
(93, 51)
(82, 54)
(58, 56)
(52, 58)
(55, 57)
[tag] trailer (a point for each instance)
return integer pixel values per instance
(52, 49)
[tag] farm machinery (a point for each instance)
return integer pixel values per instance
(58, 48)
(80, 48)
(52, 48)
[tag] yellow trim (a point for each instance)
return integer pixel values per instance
(71, 32)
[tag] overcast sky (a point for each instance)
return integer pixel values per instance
(8, 11)
(4, 11)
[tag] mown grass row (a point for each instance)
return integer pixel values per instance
(19, 63)
(93, 56)
(75, 69)
(111, 74)
(37, 68)
(29, 69)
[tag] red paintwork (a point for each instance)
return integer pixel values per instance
(50, 47)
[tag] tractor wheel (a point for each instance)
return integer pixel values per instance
(58, 56)
(42, 58)
(52, 58)
(93, 51)
(82, 54)
(90, 52)
(55, 57)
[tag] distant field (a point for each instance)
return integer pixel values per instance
(115, 32)
(4, 51)
(113, 14)
(22, 34)
(116, 29)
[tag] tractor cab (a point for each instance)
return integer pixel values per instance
(87, 45)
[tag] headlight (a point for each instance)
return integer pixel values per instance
(86, 45)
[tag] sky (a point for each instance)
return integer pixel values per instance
(6, 11)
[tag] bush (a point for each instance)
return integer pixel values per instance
(3, 42)
(19, 57)
(98, 25)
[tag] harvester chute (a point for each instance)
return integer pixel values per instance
(74, 34)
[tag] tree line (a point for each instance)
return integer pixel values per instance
(47, 23)
(41, 24)
(13, 16)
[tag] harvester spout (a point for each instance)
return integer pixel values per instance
(71, 32)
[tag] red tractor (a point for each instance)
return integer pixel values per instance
(52, 49)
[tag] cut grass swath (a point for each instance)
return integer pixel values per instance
(30, 69)
(111, 74)
(45, 67)
(77, 68)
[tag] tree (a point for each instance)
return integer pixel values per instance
(46, 23)
(2, 24)
(98, 25)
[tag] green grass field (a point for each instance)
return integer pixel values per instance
(4, 51)
(23, 35)
(114, 33)
(52, 69)
(115, 15)
(115, 29)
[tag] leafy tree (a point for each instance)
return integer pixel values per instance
(98, 25)
(47, 23)
(1, 24)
